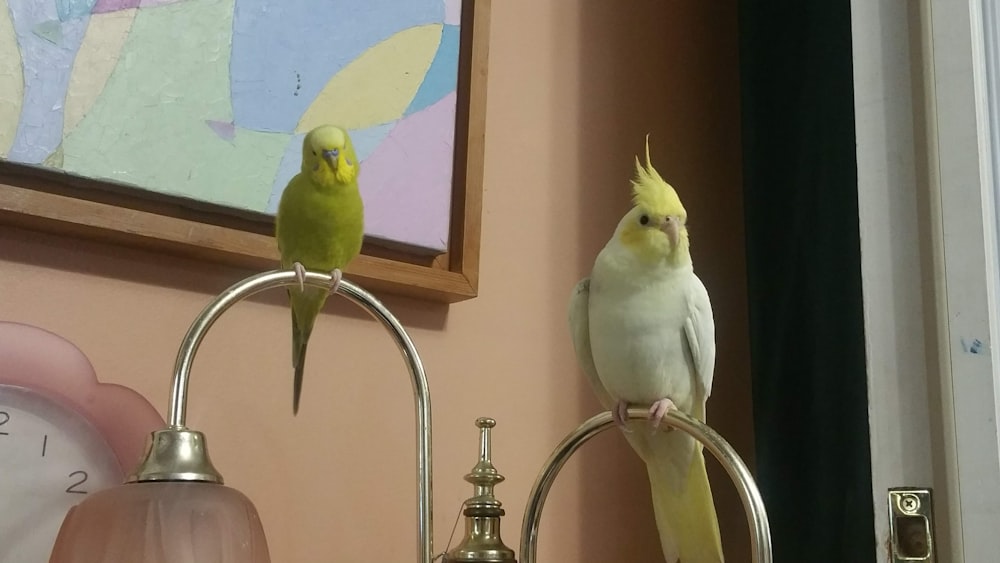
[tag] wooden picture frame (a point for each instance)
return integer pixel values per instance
(53, 201)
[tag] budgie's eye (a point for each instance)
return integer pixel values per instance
(314, 153)
(644, 220)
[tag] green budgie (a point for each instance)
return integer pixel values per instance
(319, 226)
(644, 335)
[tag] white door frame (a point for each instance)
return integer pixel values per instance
(929, 263)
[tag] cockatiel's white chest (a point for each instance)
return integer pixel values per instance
(637, 331)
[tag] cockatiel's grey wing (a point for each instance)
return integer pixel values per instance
(699, 331)
(579, 328)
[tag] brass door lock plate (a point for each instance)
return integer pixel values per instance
(911, 525)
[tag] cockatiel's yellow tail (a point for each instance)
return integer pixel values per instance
(319, 226)
(644, 334)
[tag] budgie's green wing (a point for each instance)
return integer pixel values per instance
(296, 245)
(323, 231)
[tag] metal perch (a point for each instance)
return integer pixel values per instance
(179, 454)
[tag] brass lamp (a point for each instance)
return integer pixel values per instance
(174, 507)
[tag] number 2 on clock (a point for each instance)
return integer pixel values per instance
(73, 488)
(4, 419)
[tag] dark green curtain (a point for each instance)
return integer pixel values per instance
(804, 272)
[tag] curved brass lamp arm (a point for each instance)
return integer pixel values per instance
(161, 465)
(760, 536)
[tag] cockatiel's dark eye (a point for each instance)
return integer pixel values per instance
(644, 220)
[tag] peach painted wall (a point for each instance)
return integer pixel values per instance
(574, 86)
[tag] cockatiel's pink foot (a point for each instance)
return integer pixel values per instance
(659, 409)
(619, 414)
(337, 275)
(300, 274)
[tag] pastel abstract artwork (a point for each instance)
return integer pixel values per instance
(208, 100)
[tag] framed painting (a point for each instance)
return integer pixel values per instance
(174, 125)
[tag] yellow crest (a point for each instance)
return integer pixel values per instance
(650, 191)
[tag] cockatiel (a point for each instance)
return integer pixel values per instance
(319, 226)
(644, 335)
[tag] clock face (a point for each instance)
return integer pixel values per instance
(50, 459)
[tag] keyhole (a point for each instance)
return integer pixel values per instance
(912, 537)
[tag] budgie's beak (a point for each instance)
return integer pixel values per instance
(343, 168)
(671, 226)
(331, 157)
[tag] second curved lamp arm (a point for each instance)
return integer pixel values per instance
(760, 531)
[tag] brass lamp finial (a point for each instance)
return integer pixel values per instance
(482, 543)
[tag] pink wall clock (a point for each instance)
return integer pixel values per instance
(63, 435)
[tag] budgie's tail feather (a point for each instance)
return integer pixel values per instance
(300, 340)
(305, 307)
(686, 519)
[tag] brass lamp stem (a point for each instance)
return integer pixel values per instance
(179, 454)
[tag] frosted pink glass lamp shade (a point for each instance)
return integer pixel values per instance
(162, 522)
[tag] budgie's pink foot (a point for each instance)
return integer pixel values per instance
(620, 415)
(337, 275)
(300, 274)
(659, 409)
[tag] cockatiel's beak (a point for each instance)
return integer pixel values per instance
(671, 226)
(332, 158)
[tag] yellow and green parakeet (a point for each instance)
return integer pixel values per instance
(319, 226)
(644, 335)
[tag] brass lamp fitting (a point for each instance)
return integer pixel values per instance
(482, 543)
